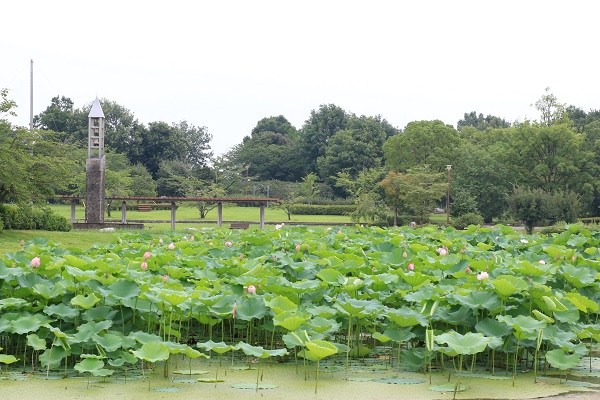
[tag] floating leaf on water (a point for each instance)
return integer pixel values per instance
(399, 381)
(209, 380)
(448, 387)
(253, 386)
(188, 372)
(486, 376)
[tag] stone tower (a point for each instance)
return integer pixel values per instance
(95, 166)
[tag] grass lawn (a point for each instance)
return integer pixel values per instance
(10, 240)
(273, 215)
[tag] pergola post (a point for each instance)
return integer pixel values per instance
(124, 212)
(219, 214)
(73, 205)
(173, 215)
(262, 216)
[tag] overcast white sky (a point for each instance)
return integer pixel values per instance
(227, 64)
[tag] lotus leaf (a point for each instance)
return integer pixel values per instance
(561, 360)
(319, 349)
(152, 352)
(85, 301)
(280, 304)
(469, 343)
(290, 320)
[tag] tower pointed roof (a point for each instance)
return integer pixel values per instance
(96, 111)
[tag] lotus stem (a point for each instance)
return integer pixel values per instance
(317, 377)
(515, 363)
(348, 351)
(457, 386)
(257, 375)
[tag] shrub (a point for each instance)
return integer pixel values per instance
(538, 207)
(333, 209)
(28, 217)
(467, 219)
(559, 227)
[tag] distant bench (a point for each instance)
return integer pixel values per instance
(239, 225)
(144, 207)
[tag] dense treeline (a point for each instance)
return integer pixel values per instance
(334, 154)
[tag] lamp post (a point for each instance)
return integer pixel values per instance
(448, 167)
(247, 180)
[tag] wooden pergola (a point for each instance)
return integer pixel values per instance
(263, 201)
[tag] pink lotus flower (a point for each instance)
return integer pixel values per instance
(192, 238)
(411, 266)
(165, 278)
(252, 289)
(442, 251)
(35, 262)
(404, 255)
(573, 259)
(542, 262)
(144, 266)
(228, 244)
(468, 270)
(241, 256)
(22, 243)
(482, 275)
(210, 243)
(147, 255)
(160, 240)
(298, 247)
(172, 246)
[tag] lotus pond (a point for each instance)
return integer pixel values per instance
(430, 306)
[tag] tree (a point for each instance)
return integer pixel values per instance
(393, 186)
(551, 110)
(356, 148)
(7, 106)
(142, 183)
(422, 142)
(365, 191)
(197, 143)
(278, 124)
(175, 179)
(481, 183)
(552, 156)
(33, 168)
(536, 206)
(270, 155)
(418, 190)
(206, 189)
(159, 142)
(120, 127)
(308, 188)
(481, 123)
(316, 132)
(57, 116)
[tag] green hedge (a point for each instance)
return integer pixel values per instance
(28, 217)
(332, 209)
